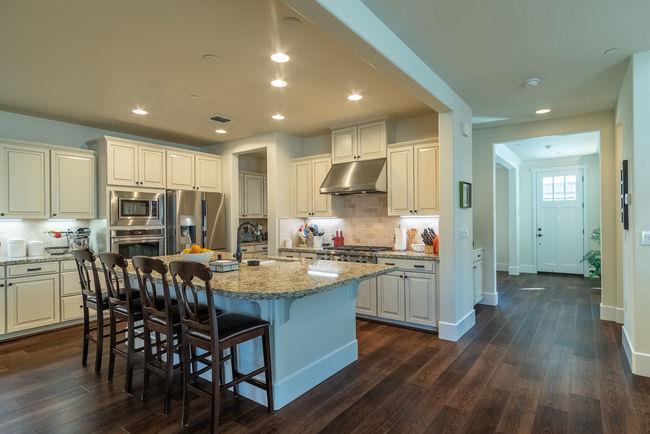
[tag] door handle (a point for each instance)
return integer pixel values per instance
(539, 235)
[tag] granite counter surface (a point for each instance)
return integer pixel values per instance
(35, 259)
(282, 278)
(383, 254)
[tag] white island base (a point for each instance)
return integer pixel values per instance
(312, 338)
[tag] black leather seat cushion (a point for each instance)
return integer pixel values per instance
(93, 299)
(137, 307)
(231, 325)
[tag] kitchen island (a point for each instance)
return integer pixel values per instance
(311, 308)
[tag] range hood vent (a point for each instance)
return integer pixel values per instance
(356, 177)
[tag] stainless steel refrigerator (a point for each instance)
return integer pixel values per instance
(195, 218)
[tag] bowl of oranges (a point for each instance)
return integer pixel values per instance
(196, 253)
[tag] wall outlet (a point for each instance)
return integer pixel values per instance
(645, 238)
(463, 234)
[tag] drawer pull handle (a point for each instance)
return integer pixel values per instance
(34, 269)
(418, 266)
(389, 263)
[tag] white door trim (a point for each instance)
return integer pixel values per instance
(535, 173)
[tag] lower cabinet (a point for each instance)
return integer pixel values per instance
(390, 294)
(32, 302)
(420, 296)
(367, 297)
(71, 307)
(478, 275)
(3, 308)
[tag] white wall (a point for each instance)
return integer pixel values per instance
(484, 167)
(502, 218)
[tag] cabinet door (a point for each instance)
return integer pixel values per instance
(420, 298)
(242, 196)
(26, 182)
(70, 283)
(180, 170)
(344, 145)
(302, 192)
(321, 203)
(367, 297)
(265, 193)
(208, 173)
(71, 308)
(3, 308)
(152, 167)
(254, 205)
(32, 302)
(425, 162)
(372, 140)
(390, 296)
(400, 181)
(478, 281)
(73, 185)
(122, 163)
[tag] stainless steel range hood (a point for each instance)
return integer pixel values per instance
(356, 177)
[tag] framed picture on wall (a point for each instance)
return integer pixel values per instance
(465, 194)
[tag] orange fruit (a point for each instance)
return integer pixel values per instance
(195, 249)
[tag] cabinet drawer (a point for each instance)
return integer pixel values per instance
(68, 266)
(70, 283)
(72, 308)
(32, 269)
(2, 272)
(247, 249)
(290, 254)
(478, 255)
(410, 264)
(261, 248)
(309, 256)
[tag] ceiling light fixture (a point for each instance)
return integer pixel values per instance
(220, 131)
(211, 58)
(531, 82)
(542, 111)
(278, 83)
(279, 57)
(278, 117)
(193, 97)
(139, 111)
(355, 97)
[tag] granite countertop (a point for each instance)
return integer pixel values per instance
(35, 259)
(383, 254)
(282, 278)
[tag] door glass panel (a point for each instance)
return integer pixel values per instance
(570, 187)
(558, 188)
(547, 188)
(142, 248)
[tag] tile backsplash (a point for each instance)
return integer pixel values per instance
(36, 230)
(363, 220)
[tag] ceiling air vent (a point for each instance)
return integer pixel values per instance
(220, 119)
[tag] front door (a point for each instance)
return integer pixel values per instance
(560, 226)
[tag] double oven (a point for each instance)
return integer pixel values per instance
(137, 223)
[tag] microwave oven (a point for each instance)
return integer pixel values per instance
(136, 208)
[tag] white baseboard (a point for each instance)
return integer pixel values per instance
(513, 271)
(531, 269)
(454, 331)
(639, 362)
(502, 266)
(490, 298)
(611, 313)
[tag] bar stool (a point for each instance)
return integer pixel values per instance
(160, 315)
(92, 298)
(213, 334)
(125, 307)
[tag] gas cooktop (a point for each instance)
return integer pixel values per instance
(358, 248)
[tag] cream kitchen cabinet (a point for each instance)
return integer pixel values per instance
(420, 295)
(360, 142)
(191, 171)
(308, 175)
(24, 181)
(3, 298)
(151, 167)
(32, 302)
(73, 179)
(367, 297)
(478, 275)
(242, 196)
(253, 196)
(390, 295)
(413, 178)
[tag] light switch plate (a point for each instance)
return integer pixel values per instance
(645, 238)
(463, 234)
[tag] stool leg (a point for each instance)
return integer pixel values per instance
(169, 374)
(84, 353)
(214, 401)
(185, 366)
(130, 352)
(235, 366)
(111, 347)
(268, 373)
(147, 359)
(100, 342)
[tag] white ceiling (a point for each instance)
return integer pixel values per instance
(485, 50)
(567, 145)
(92, 61)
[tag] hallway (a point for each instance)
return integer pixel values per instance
(541, 361)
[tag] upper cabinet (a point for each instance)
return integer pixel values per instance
(193, 171)
(208, 173)
(413, 178)
(151, 166)
(73, 185)
(252, 195)
(360, 142)
(24, 181)
(308, 175)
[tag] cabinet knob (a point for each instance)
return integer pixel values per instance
(53, 214)
(1, 213)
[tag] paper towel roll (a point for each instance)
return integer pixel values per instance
(400, 239)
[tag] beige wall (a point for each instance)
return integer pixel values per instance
(484, 167)
(502, 222)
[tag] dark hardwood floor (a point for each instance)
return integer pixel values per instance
(540, 362)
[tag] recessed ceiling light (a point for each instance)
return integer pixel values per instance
(531, 82)
(280, 57)
(355, 97)
(610, 50)
(278, 83)
(290, 22)
(157, 83)
(220, 131)
(193, 97)
(542, 111)
(548, 146)
(139, 111)
(211, 58)
(278, 117)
